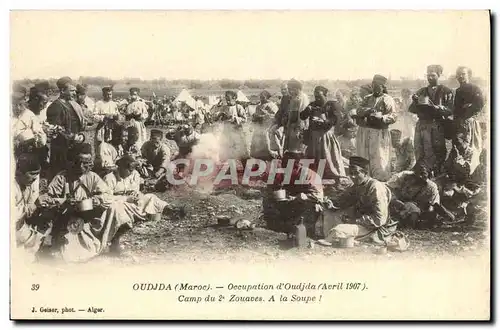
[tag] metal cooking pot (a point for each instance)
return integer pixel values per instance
(279, 194)
(85, 205)
(154, 217)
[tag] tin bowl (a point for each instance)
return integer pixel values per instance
(381, 250)
(79, 138)
(223, 221)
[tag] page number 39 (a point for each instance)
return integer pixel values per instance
(35, 287)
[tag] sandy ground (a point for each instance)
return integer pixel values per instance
(197, 236)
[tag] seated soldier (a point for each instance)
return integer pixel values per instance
(132, 144)
(87, 218)
(477, 208)
(124, 183)
(29, 229)
(416, 197)
(348, 140)
(108, 152)
(156, 160)
(363, 209)
(404, 153)
(186, 138)
(304, 195)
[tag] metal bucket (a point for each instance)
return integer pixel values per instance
(154, 217)
(346, 242)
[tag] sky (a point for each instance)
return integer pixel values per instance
(246, 45)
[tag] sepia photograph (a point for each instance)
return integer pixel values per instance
(250, 165)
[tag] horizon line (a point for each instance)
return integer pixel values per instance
(401, 78)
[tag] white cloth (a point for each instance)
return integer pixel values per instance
(103, 108)
(346, 230)
(375, 145)
(146, 204)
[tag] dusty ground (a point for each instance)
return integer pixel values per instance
(197, 236)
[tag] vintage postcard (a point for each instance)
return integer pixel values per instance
(250, 165)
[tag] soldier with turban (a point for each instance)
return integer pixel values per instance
(433, 105)
(68, 114)
(373, 140)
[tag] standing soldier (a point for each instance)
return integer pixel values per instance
(432, 104)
